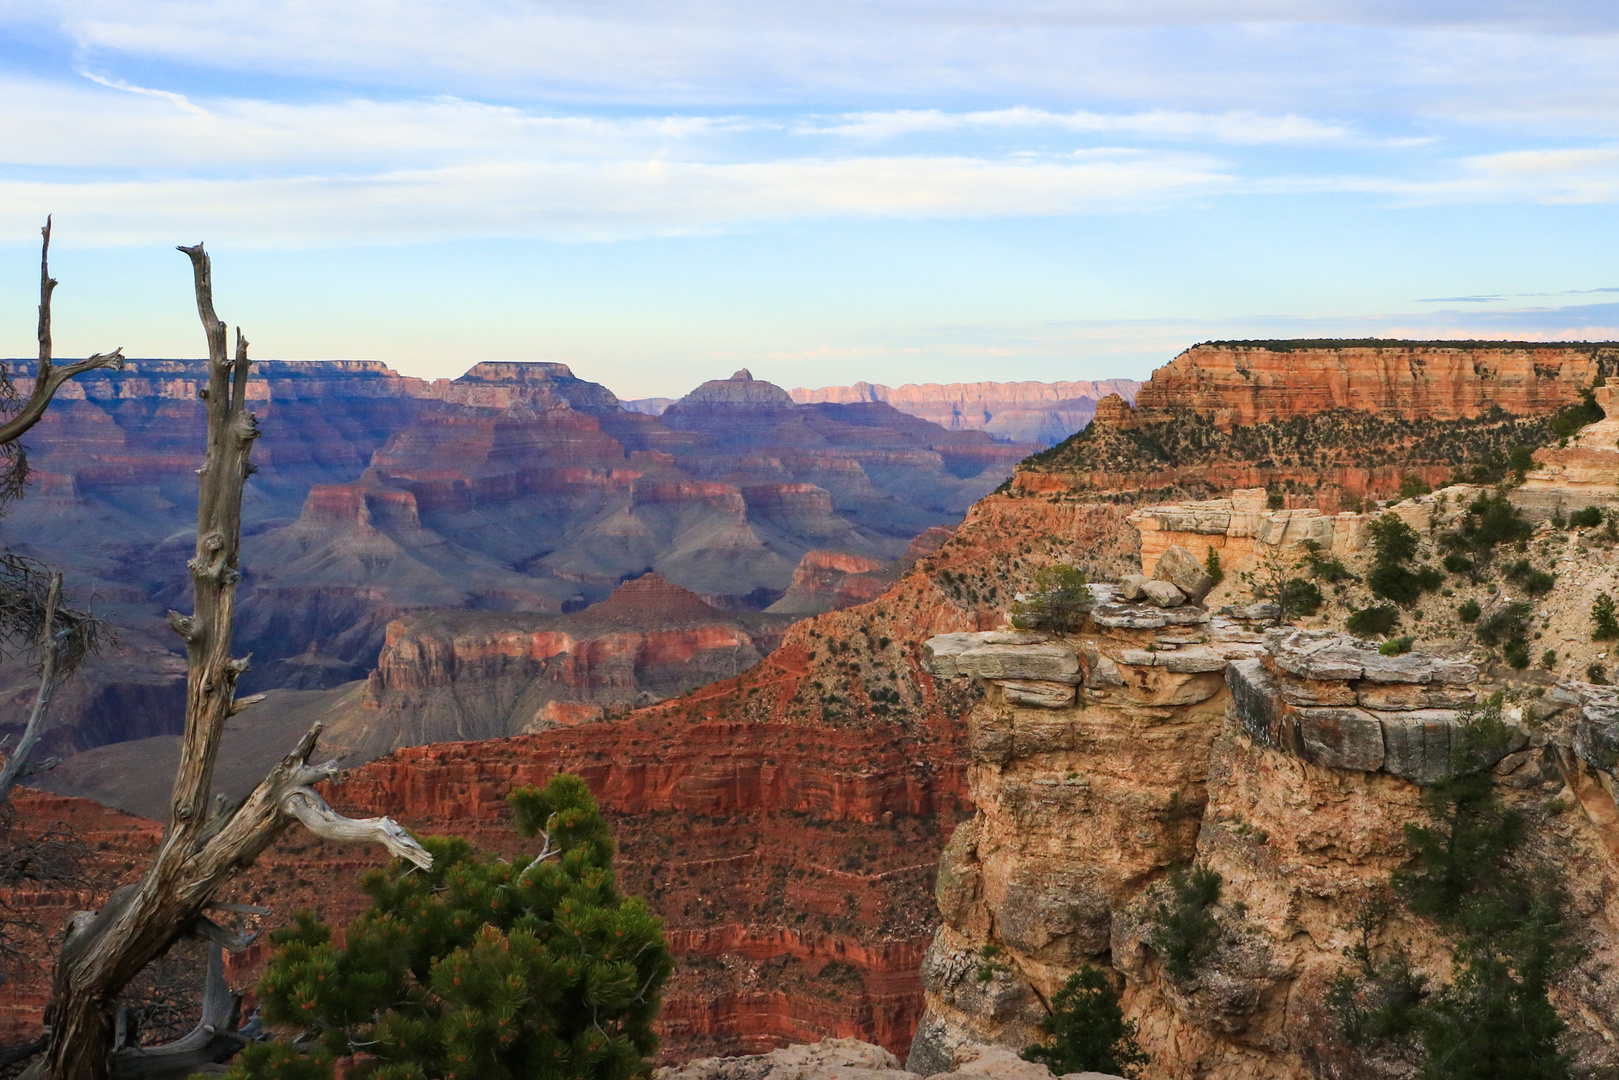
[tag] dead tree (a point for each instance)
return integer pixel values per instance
(48, 378)
(207, 843)
(24, 611)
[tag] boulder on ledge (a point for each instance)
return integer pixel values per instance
(1163, 594)
(1180, 568)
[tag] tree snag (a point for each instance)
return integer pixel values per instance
(21, 609)
(201, 851)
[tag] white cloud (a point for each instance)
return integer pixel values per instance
(595, 200)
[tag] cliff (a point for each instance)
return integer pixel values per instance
(1030, 412)
(1333, 422)
(1287, 763)
(1249, 382)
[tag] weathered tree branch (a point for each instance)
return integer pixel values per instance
(48, 378)
(17, 765)
(203, 1048)
(201, 851)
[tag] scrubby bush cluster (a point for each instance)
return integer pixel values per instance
(1059, 601)
(1480, 450)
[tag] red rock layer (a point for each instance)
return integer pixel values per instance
(1244, 383)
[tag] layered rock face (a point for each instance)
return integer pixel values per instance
(1286, 761)
(1233, 415)
(1027, 412)
(453, 676)
(1244, 382)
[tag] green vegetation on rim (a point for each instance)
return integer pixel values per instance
(1335, 439)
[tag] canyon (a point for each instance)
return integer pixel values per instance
(516, 488)
(790, 821)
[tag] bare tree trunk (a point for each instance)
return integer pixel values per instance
(17, 765)
(201, 851)
(48, 378)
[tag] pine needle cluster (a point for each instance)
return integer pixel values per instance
(478, 969)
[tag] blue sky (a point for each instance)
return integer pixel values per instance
(894, 190)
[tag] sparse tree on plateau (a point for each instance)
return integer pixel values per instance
(208, 841)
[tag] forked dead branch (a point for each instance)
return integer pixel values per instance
(207, 842)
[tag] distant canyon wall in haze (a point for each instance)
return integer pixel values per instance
(1042, 413)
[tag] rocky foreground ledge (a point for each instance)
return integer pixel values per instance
(851, 1059)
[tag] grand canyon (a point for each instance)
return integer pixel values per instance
(778, 635)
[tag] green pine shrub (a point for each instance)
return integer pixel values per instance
(1373, 621)
(1596, 673)
(1301, 597)
(1456, 563)
(1586, 517)
(1468, 611)
(1324, 567)
(1605, 626)
(1396, 646)
(477, 969)
(1182, 926)
(1212, 567)
(1088, 1030)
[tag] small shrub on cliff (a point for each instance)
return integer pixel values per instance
(1604, 624)
(1324, 567)
(1301, 597)
(1060, 601)
(1412, 485)
(1587, 517)
(1469, 611)
(1392, 578)
(1183, 928)
(1373, 621)
(477, 969)
(1396, 646)
(1211, 566)
(1088, 1030)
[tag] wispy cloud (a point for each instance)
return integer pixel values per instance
(1226, 127)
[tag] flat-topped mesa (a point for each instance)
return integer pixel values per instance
(538, 384)
(1289, 763)
(1247, 382)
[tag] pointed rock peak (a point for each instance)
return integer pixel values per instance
(649, 601)
(740, 389)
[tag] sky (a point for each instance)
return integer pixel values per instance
(658, 193)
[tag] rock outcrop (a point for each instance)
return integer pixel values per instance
(850, 1059)
(1287, 762)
